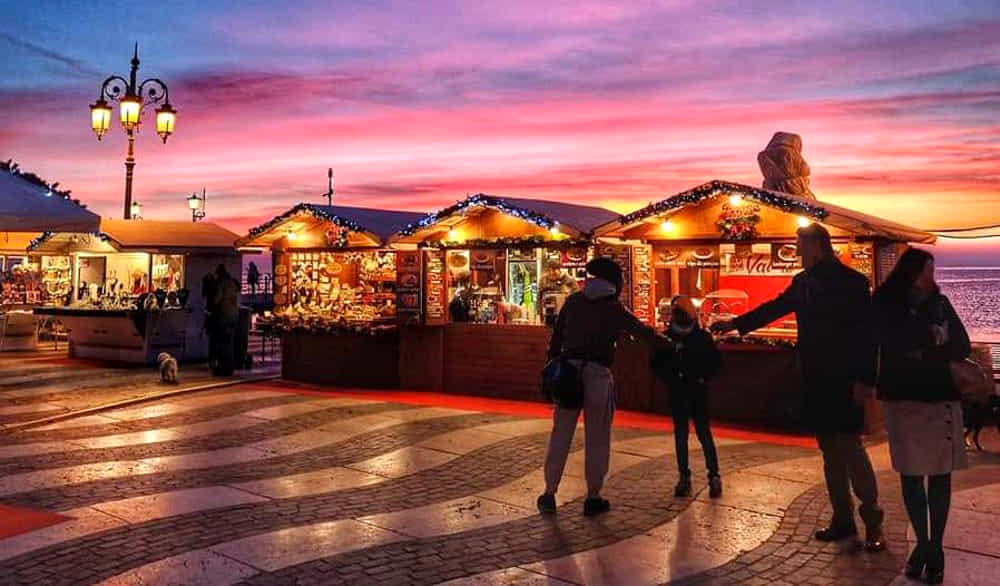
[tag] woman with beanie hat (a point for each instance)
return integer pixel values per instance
(686, 362)
(586, 333)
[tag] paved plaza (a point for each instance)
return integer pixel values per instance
(273, 483)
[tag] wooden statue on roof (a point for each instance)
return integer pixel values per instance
(783, 167)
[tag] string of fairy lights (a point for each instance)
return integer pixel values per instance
(715, 188)
(345, 224)
(480, 200)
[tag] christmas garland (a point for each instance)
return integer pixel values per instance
(507, 242)
(479, 200)
(738, 222)
(320, 325)
(46, 236)
(346, 224)
(716, 187)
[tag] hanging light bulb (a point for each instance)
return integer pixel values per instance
(667, 226)
(735, 200)
(803, 221)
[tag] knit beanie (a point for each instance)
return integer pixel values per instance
(607, 269)
(684, 303)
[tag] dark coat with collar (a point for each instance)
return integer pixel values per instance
(686, 363)
(836, 345)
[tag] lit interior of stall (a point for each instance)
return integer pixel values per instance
(332, 268)
(731, 247)
(502, 260)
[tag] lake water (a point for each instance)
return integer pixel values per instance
(975, 293)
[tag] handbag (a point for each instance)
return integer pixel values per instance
(562, 383)
(971, 380)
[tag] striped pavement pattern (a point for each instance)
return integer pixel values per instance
(259, 484)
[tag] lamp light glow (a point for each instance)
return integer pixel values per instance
(291, 236)
(667, 226)
(554, 230)
(166, 118)
(452, 235)
(735, 200)
(803, 221)
(136, 210)
(131, 107)
(100, 118)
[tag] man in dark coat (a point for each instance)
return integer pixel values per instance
(832, 305)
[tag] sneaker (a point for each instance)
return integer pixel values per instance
(595, 506)
(714, 486)
(683, 488)
(836, 532)
(547, 504)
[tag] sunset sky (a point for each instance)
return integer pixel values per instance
(415, 104)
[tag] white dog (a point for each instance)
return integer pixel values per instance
(168, 368)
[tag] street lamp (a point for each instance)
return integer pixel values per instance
(132, 97)
(135, 211)
(197, 205)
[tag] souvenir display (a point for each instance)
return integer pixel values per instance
(335, 290)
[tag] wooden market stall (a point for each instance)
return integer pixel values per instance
(336, 293)
(731, 247)
(495, 271)
(28, 208)
(137, 287)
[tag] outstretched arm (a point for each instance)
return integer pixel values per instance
(768, 312)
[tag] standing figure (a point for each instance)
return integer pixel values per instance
(253, 278)
(586, 334)
(837, 352)
(226, 306)
(209, 285)
(686, 363)
(919, 334)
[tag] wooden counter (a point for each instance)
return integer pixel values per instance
(344, 359)
(758, 384)
(124, 336)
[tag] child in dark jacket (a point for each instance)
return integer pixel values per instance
(686, 362)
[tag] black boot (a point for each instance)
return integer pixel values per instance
(935, 565)
(916, 562)
(836, 532)
(714, 486)
(683, 488)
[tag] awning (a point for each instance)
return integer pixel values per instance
(27, 207)
(143, 235)
(848, 220)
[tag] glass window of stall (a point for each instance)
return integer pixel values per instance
(168, 272)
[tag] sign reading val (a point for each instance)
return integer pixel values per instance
(760, 259)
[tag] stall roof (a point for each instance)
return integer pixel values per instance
(839, 217)
(545, 213)
(27, 207)
(138, 235)
(379, 224)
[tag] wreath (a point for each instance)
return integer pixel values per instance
(738, 222)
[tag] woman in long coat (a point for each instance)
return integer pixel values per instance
(919, 336)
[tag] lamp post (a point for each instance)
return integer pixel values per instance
(132, 97)
(135, 211)
(197, 205)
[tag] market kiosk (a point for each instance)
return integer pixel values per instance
(29, 207)
(731, 247)
(136, 287)
(337, 298)
(495, 270)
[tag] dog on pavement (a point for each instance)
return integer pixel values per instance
(168, 368)
(978, 415)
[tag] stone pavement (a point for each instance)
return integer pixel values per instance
(279, 484)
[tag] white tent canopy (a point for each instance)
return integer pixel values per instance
(26, 207)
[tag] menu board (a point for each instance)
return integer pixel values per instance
(642, 285)
(862, 258)
(435, 304)
(621, 255)
(888, 256)
(408, 277)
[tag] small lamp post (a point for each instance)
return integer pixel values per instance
(197, 205)
(132, 97)
(135, 209)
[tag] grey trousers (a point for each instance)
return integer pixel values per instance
(598, 413)
(846, 465)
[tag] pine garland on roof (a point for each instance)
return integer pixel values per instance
(315, 211)
(479, 200)
(13, 168)
(714, 188)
